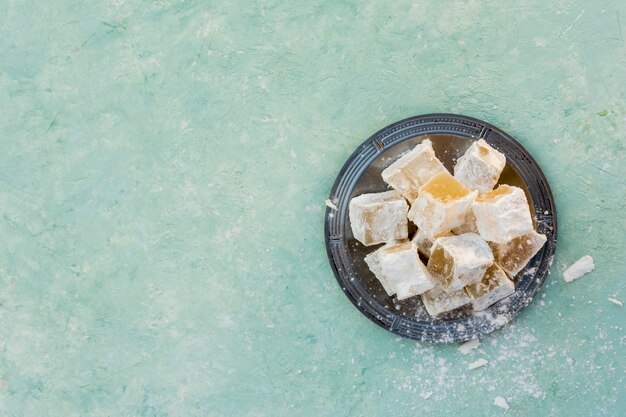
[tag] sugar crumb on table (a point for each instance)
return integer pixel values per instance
(501, 402)
(579, 268)
(616, 301)
(478, 364)
(330, 204)
(467, 347)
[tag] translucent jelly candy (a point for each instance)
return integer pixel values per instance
(514, 255)
(373, 262)
(379, 218)
(457, 261)
(437, 301)
(480, 167)
(441, 205)
(413, 169)
(493, 287)
(403, 271)
(502, 214)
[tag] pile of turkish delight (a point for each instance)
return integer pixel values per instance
(476, 239)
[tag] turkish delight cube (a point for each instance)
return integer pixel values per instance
(379, 218)
(493, 287)
(413, 169)
(515, 254)
(404, 271)
(480, 167)
(468, 226)
(441, 205)
(437, 301)
(373, 262)
(457, 261)
(502, 214)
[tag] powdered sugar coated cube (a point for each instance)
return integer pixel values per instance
(404, 271)
(441, 205)
(413, 169)
(457, 261)
(493, 287)
(502, 214)
(379, 218)
(480, 167)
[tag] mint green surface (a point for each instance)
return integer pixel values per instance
(163, 171)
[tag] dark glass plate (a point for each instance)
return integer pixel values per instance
(451, 135)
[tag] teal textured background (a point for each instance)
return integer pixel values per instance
(163, 171)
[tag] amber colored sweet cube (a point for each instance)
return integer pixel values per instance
(407, 174)
(457, 261)
(513, 256)
(493, 287)
(441, 205)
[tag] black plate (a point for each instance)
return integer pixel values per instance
(451, 136)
